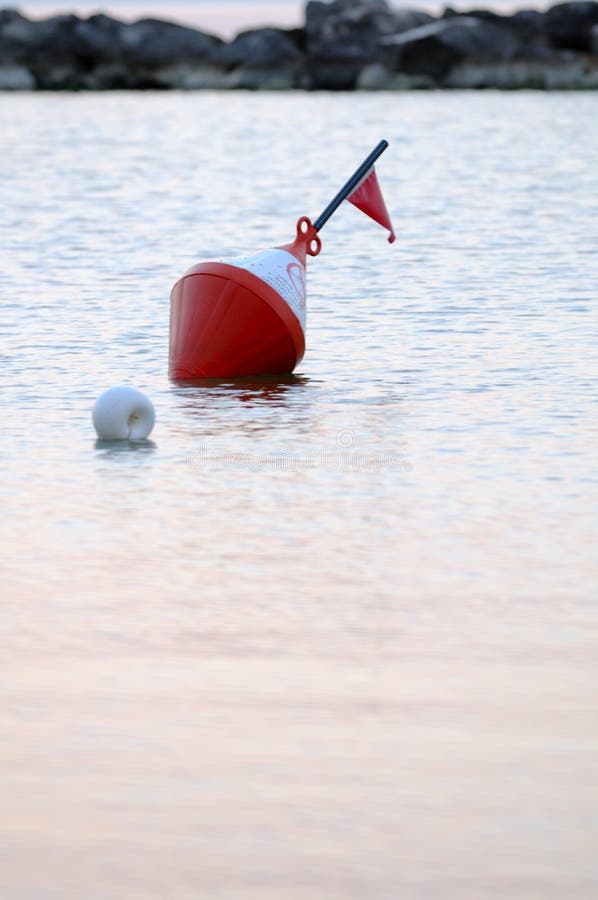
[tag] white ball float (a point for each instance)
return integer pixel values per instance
(123, 413)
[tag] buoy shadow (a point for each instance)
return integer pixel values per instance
(114, 448)
(246, 388)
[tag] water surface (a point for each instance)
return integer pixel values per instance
(326, 636)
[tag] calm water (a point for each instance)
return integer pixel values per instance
(333, 636)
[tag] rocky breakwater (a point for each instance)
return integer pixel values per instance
(342, 45)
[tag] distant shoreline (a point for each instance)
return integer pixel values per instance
(366, 45)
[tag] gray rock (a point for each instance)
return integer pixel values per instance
(434, 49)
(191, 77)
(31, 42)
(262, 48)
(254, 79)
(343, 37)
(65, 52)
(46, 49)
(153, 43)
(15, 33)
(572, 75)
(55, 51)
(346, 44)
(99, 40)
(110, 76)
(120, 76)
(406, 18)
(354, 26)
(479, 38)
(567, 74)
(506, 76)
(377, 77)
(570, 25)
(421, 51)
(528, 24)
(15, 78)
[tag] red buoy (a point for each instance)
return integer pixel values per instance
(246, 316)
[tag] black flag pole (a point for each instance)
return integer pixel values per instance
(351, 184)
